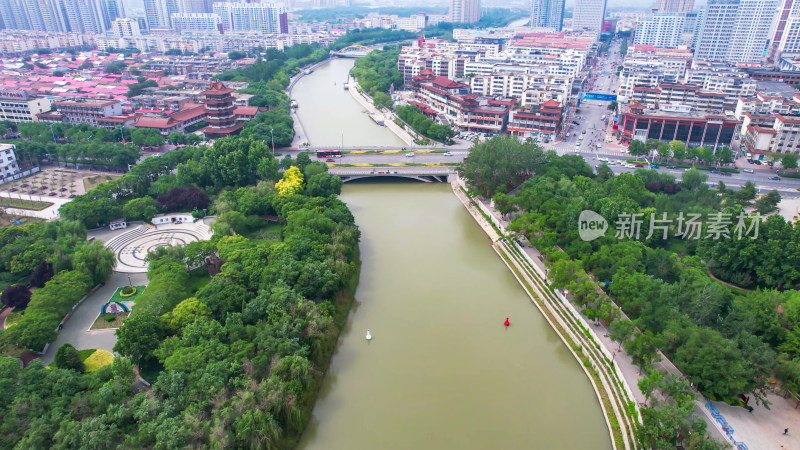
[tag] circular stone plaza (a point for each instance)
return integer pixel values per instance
(132, 244)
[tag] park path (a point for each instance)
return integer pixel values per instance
(76, 328)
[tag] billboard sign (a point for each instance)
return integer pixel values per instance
(601, 97)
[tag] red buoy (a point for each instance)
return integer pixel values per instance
(506, 323)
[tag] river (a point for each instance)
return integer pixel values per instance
(441, 371)
(330, 115)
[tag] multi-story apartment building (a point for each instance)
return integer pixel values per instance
(83, 110)
(264, 17)
(547, 14)
(721, 77)
(736, 31)
(121, 28)
(648, 73)
(588, 15)
(666, 30)
(530, 89)
(9, 168)
(196, 22)
(780, 136)
(465, 11)
(19, 106)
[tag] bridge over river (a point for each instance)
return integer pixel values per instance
(427, 174)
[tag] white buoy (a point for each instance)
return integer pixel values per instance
(369, 336)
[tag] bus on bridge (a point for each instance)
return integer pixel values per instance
(329, 153)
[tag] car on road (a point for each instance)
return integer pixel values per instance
(639, 165)
(655, 166)
(584, 132)
(447, 154)
(757, 162)
(330, 160)
(409, 155)
(776, 178)
(603, 159)
(671, 167)
(747, 170)
(576, 122)
(567, 134)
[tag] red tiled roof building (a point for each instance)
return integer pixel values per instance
(220, 111)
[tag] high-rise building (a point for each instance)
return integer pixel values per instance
(46, 15)
(114, 8)
(588, 15)
(85, 16)
(158, 12)
(666, 29)
(736, 31)
(465, 11)
(196, 22)
(125, 27)
(265, 17)
(785, 31)
(197, 6)
(13, 15)
(675, 6)
(547, 13)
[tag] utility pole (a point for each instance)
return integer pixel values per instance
(273, 142)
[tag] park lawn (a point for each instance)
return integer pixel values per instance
(271, 230)
(102, 324)
(117, 298)
(91, 181)
(23, 204)
(8, 219)
(98, 359)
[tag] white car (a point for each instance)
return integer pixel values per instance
(409, 155)
(447, 154)
(602, 159)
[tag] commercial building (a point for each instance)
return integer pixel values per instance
(465, 11)
(588, 15)
(675, 123)
(83, 110)
(547, 14)
(177, 121)
(220, 116)
(468, 112)
(9, 168)
(543, 119)
(19, 106)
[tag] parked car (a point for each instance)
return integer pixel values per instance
(639, 165)
(776, 178)
(602, 159)
(330, 160)
(747, 170)
(757, 162)
(409, 155)
(654, 166)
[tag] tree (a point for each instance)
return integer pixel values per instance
(621, 331)
(323, 185)
(612, 106)
(789, 161)
(41, 274)
(141, 335)
(144, 208)
(237, 55)
(147, 137)
(185, 199)
(382, 100)
(503, 203)
(95, 260)
(291, 183)
(768, 203)
(501, 162)
(664, 151)
(177, 138)
(693, 179)
(115, 67)
(637, 148)
(678, 150)
(67, 357)
(16, 296)
(185, 313)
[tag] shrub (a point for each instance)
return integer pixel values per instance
(16, 296)
(67, 357)
(109, 317)
(127, 291)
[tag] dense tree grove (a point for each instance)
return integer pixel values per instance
(728, 341)
(377, 71)
(423, 125)
(235, 360)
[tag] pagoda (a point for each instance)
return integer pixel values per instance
(219, 111)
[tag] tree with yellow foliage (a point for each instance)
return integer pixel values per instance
(291, 183)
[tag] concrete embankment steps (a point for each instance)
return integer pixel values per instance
(615, 396)
(117, 242)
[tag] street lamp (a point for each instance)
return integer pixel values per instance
(129, 281)
(273, 142)
(342, 140)
(51, 132)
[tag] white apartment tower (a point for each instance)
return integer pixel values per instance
(685, 6)
(13, 15)
(465, 11)
(735, 31)
(158, 12)
(208, 23)
(264, 17)
(588, 15)
(125, 28)
(665, 29)
(547, 13)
